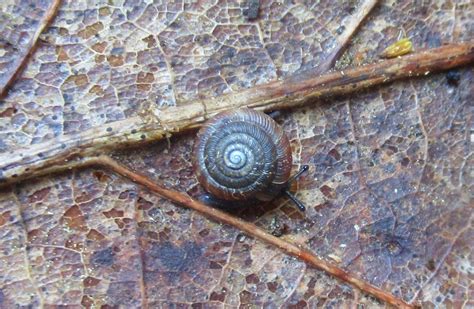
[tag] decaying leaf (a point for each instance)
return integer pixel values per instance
(389, 187)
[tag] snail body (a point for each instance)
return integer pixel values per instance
(242, 155)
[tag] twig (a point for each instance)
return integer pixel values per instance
(20, 62)
(59, 154)
(250, 229)
(345, 37)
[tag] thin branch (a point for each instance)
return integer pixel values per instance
(345, 37)
(20, 62)
(250, 229)
(67, 151)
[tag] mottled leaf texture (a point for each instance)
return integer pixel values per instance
(389, 191)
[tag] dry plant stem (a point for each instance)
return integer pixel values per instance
(250, 229)
(32, 45)
(345, 37)
(154, 124)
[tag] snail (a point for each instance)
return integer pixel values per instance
(243, 155)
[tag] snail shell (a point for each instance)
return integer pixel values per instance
(242, 155)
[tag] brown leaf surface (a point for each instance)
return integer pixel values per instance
(389, 192)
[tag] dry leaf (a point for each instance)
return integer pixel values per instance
(392, 161)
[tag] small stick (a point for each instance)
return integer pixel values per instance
(21, 62)
(54, 155)
(344, 38)
(250, 229)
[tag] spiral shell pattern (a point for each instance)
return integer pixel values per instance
(242, 154)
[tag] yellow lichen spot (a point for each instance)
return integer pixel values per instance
(399, 48)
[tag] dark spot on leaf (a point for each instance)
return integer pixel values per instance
(101, 176)
(8, 112)
(431, 265)
(103, 257)
(94, 235)
(340, 30)
(74, 218)
(39, 195)
(87, 301)
(245, 297)
(253, 6)
(453, 77)
(177, 259)
(405, 161)
(91, 281)
(214, 265)
(252, 278)
(328, 192)
(113, 213)
(216, 296)
(335, 154)
(204, 233)
(272, 286)
(143, 204)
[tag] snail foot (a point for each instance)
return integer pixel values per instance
(210, 200)
(274, 114)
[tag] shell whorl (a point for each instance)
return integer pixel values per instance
(242, 154)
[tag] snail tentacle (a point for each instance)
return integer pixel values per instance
(296, 201)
